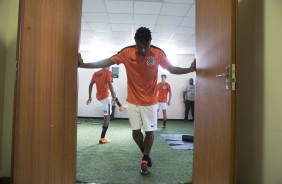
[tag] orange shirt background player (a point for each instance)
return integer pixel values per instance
(163, 89)
(142, 73)
(101, 79)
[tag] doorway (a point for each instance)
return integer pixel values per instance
(109, 26)
(43, 132)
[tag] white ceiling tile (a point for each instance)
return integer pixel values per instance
(188, 21)
(145, 19)
(164, 29)
(84, 47)
(121, 18)
(169, 20)
(93, 6)
(183, 43)
(112, 27)
(102, 27)
(191, 12)
(175, 9)
(122, 27)
(86, 34)
(88, 40)
(85, 26)
(147, 7)
(119, 6)
(181, 37)
(185, 30)
(126, 35)
(96, 17)
(99, 34)
(83, 19)
(161, 36)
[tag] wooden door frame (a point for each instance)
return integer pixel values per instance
(73, 57)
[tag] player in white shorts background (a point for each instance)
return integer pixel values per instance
(163, 90)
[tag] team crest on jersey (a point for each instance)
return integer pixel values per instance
(164, 87)
(150, 61)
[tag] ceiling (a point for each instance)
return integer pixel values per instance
(109, 25)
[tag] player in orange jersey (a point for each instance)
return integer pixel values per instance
(163, 90)
(103, 80)
(141, 63)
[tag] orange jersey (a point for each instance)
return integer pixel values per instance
(101, 78)
(163, 89)
(142, 73)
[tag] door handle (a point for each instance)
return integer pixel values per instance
(220, 75)
(226, 75)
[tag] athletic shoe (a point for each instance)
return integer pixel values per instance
(104, 141)
(144, 167)
(149, 162)
(164, 126)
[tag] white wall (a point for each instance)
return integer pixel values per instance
(177, 82)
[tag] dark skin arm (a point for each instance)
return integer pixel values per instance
(98, 64)
(178, 70)
(112, 90)
(89, 93)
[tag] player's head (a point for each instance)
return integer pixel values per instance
(143, 39)
(191, 81)
(163, 76)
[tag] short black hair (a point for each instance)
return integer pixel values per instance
(163, 75)
(143, 35)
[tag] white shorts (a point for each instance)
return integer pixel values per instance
(143, 116)
(107, 106)
(162, 105)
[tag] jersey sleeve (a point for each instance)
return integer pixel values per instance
(164, 62)
(120, 57)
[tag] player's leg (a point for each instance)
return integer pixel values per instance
(106, 103)
(164, 118)
(186, 110)
(192, 109)
(135, 124)
(164, 108)
(189, 108)
(149, 120)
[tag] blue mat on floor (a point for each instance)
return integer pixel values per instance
(175, 141)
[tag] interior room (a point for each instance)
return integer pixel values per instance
(106, 28)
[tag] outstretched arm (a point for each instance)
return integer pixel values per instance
(178, 70)
(98, 64)
(89, 93)
(112, 90)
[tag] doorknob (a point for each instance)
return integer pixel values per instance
(226, 75)
(220, 75)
